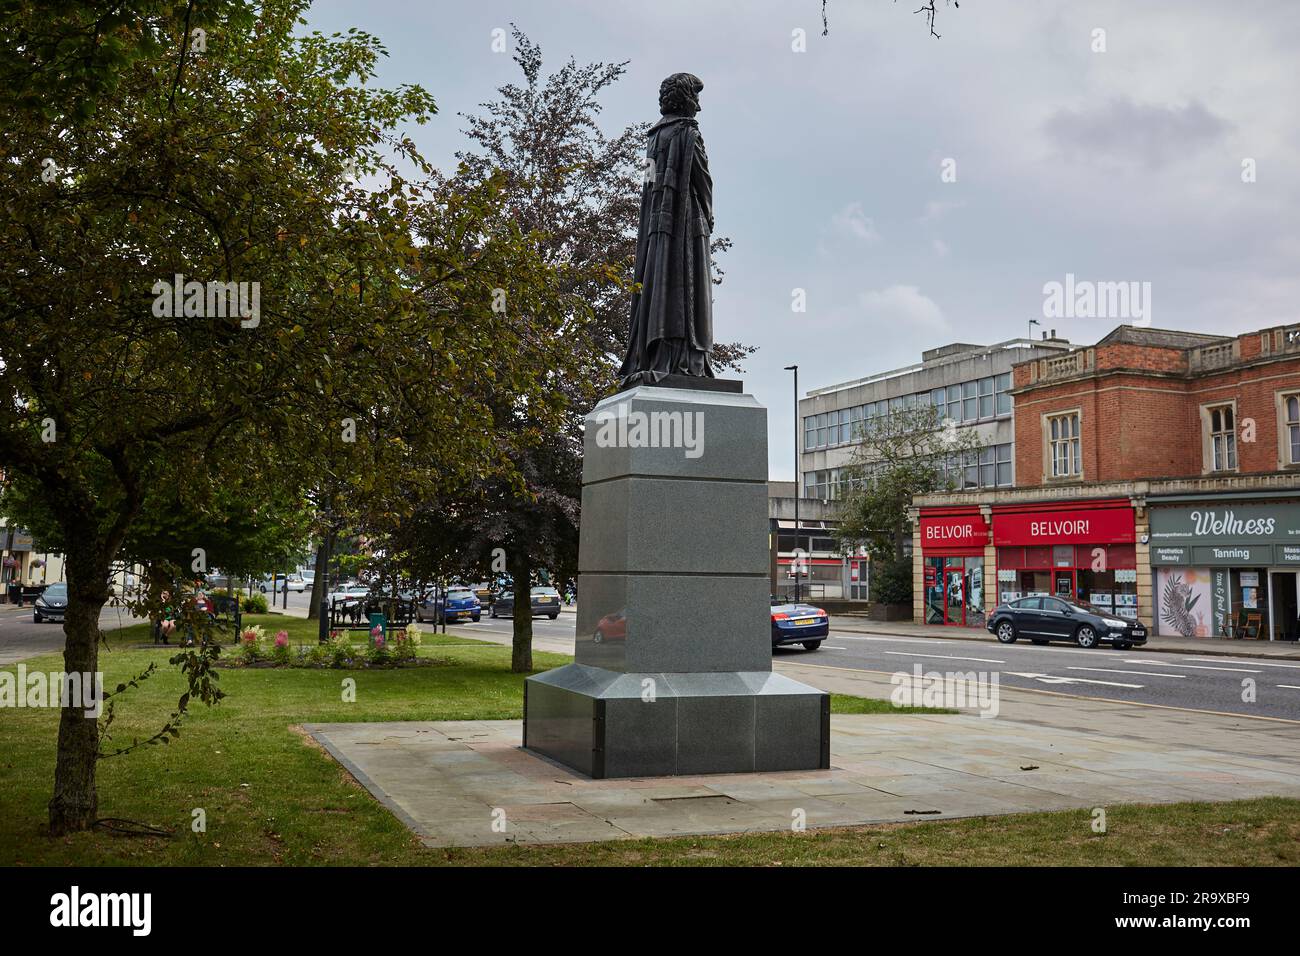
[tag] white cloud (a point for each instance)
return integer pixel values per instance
(940, 247)
(903, 306)
(852, 220)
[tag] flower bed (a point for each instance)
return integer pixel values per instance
(256, 649)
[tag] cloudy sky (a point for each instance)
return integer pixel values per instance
(828, 164)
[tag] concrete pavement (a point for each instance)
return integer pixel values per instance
(470, 783)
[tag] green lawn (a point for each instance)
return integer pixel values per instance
(272, 797)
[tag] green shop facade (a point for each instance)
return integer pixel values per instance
(1226, 565)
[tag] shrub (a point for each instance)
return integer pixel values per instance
(405, 642)
(253, 603)
(892, 583)
(340, 650)
(281, 654)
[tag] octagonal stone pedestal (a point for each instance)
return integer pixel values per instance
(673, 660)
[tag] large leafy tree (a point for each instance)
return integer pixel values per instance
(578, 192)
(239, 164)
(909, 452)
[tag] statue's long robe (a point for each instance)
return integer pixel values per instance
(671, 330)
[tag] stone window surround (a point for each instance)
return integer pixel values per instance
(1207, 437)
(1284, 461)
(1048, 451)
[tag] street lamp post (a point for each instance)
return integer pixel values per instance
(795, 559)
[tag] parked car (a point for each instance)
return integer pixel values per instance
(1044, 619)
(293, 582)
(52, 604)
(545, 600)
(798, 623)
(461, 604)
(349, 593)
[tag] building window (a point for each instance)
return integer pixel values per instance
(970, 401)
(986, 397)
(1223, 439)
(1291, 427)
(1003, 389)
(1005, 479)
(1063, 434)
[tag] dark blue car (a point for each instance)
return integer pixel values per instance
(462, 605)
(799, 624)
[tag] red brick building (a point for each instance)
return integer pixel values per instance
(1157, 476)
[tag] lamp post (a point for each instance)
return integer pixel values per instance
(797, 484)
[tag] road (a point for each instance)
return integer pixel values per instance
(1182, 681)
(21, 637)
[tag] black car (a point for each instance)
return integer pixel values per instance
(545, 600)
(1044, 619)
(52, 604)
(794, 623)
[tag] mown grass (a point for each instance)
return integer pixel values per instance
(270, 796)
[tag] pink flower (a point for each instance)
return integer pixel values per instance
(376, 631)
(281, 638)
(250, 637)
(379, 639)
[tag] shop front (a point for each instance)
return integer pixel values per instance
(952, 552)
(1226, 568)
(1081, 550)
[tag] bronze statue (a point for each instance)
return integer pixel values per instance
(671, 330)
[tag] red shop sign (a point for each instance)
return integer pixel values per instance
(957, 535)
(1064, 526)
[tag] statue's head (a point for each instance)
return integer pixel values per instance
(680, 93)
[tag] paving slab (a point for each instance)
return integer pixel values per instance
(469, 783)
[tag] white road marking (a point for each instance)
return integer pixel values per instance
(1195, 667)
(1112, 670)
(1253, 662)
(890, 640)
(1290, 686)
(946, 657)
(1050, 679)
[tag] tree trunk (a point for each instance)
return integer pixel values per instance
(75, 804)
(318, 586)
(521, 570)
